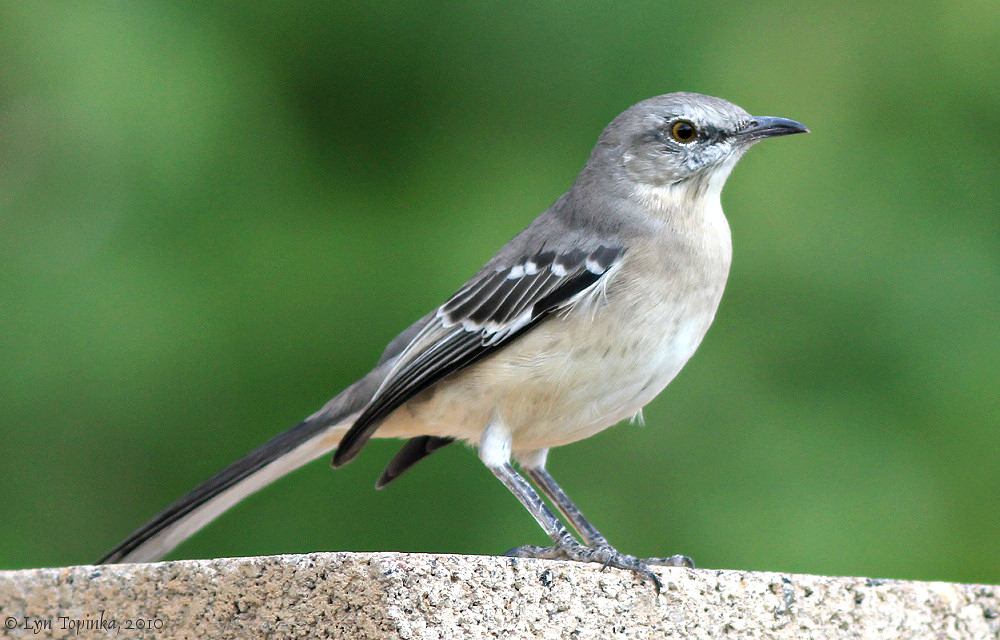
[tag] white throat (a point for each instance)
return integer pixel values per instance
(699, 193)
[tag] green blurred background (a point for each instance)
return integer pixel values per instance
(213, 216)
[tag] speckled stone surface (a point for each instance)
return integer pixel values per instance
(397, 595)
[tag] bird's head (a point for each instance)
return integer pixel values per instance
(683, 139)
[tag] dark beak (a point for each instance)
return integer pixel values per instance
(761, 127)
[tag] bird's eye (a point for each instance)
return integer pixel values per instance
(683, 131)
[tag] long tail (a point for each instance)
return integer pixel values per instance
(315, 436)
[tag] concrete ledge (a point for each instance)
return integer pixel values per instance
(397, 595)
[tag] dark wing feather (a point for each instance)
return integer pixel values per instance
(485, 315)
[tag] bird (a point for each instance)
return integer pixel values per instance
(571, 327)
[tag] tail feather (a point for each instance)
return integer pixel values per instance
(317, 435)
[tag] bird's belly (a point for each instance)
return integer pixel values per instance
(570, 378)
(608, 380)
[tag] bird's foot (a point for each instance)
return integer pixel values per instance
(672, 561)
(605, 555)
(532, 551)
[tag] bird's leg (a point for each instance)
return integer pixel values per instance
(547, 484)
(565, 544)
(591, 536)
(495, 453)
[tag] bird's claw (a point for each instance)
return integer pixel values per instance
(607, 556)
(672, 561)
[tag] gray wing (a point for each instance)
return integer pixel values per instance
(485, 315)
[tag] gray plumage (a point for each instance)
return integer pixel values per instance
(574, 325)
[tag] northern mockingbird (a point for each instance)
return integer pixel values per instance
(573, 326)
